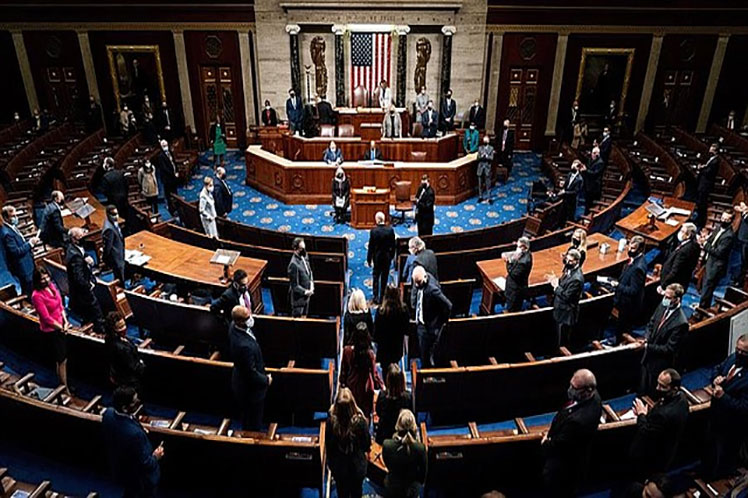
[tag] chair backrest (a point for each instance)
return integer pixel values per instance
(360, 97)
(418, 156)
(326, 130)
(402, 190)
(345, 130)
(417, 129)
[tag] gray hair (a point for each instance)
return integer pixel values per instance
(417, 243)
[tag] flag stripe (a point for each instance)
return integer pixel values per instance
(370, 60)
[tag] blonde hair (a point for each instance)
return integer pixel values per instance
(357, 302)
(583, 237)
(406, 430)
(343, 414)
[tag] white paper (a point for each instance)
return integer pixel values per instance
(629, 415)
(672, 222)
(223, 259)
(500, 282)
(65, 212)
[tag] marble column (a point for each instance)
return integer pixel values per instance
(493, 81)
(184, 79)
(293, 31)
(249, 97)
(88, 65)
(446, 67)
(23, 63)
(339, 31)
(558, 76)
(711, 83)
(402, 63)
(649, 80)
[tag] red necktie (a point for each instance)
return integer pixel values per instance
(664, 317)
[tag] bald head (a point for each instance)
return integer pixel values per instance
(76, 234)
(584, 378)
(419, 276)
(239, 314)
(379, 218)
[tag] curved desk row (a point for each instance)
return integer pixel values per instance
(310, 182)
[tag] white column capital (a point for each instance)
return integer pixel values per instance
(449, 30)
(402, 29)
(339, 29)
(293, 29)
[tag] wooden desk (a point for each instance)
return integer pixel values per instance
(637, 223)
(98, 217)
(366, 204)
(369, 116)
(549, 261)
(172, 261)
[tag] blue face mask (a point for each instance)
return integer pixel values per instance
(667, 302)
(14, 220)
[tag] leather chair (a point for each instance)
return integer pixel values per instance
(417, 130)
(360, 97)
(403, 201)
(345, 130)
(326, 130)
(417, 156)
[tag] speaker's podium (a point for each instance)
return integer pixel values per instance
(366, 202)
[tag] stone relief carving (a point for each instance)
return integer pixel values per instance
(317, 50)
(423, 54)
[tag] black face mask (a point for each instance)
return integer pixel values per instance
(658, 395)
(741, 360)
(633, 253)
(302, 252)
(392, 113)
(576, 242)
(575, 394)
(725, 224)
(241, 288)
(569, 265)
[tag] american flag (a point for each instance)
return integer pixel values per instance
(370, 60)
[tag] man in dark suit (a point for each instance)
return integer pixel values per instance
(432, 310)
(164, 121)
(115, 187)
(505, 145)
(425, 199)
(269, 116)
(93, 115)
(81, 282)
(659, 428)
(566, 445)
(742, 234)
(716, 257)
(593, 180)
(236, 294)
(169, 174)
(53, 232)
(682, 259)
(567, 291)
(728, 413)
(222, 193)
(447, 112)
(664, 335)
(114, 244)
(249, 382)
(518, 268)
(477, 115)
(325, 111)
(295, 112)
(132, 459)
(629, 296)
(423, 257)
(301, 279)
(705, 178)
(605, 145)
(372, 153)
(18, 251)
(379, 255)
(429, 121)
(573, 185)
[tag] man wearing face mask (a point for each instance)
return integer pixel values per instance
(471, 139)
(682, 259)
(664, 335)
(485, 159)
(114, 244)
(295, 112)
(222, 193)
(249, 382)
(115, 186)
(629, 295)
(477, 115)
(432, 309)
(53, 232)
(728, 413)
(429, 121)
(425, 198)
(742, 235)
(570, 192)
(420, 256)
(518, 268)
(269, 116)
(372, 153)
(81, 282)
(566, 445)
(659, 428)
(18, 250)
(333, 156)
(300, 278)
(379, 255)
(505, 145)
(236, 294)
(392, 125)
(715, 255)
(593, 180)
(605, 145)
(705, 177)
(567, 291)
(447, 112)
(169, 174)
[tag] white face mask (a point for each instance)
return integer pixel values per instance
(210, 189)
(681, 237)
(250, 322)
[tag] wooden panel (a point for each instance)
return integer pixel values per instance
(365, 205)
(731, 94)
(11, 84)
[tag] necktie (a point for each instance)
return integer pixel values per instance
(247, 302)
(419, 308)
(731, 373)
(665, 316)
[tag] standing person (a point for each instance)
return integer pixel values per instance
(391, 324)
(301, 279)
(18, 251)
(405, 458)
(347, 444)
(125, 365)
(333, 156)
(236, 294)
(394, 399)
(422, 101)
(217, 137)
(53, 232)
(341, 195)
(207, 208)
(579, 242)
(566, 445)
(81, 282)
(629, 288)
(149, 185)
(605, 145)
(716, 258)
(742, 235)
(425, 198)
(705, 178)
(682, 259)
(506, 146)
(429, 121)
(518, 268)
(249, 382)
(115, 187)
(432, 310)
(485, 159)
(471, 139)
(222, 194)
(163, 121)
(567, 291)
(93, 115)
(294, 112)
(356, 312)
(169, 174)
(132, 459)
(379, 255)
(53, 322)
(385, 95)
(593, 180)
(269, 116)
(358, 369)
(447, 112)
(392, 125)
(664, 335)
(569, 194)
(114, 244)
(422, 257)
(477, 115)
(659, 428)
(325, 111)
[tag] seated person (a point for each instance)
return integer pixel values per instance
(373, 153)
(269, 116)
(429, 121)
(333, 156)
(392, 126)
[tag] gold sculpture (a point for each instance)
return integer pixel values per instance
(317, 50)
(423, 54)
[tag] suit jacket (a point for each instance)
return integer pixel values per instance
(325, 113)
(470, 141)
(566, 297)
(295, 114)
(53, 231)
(743, 229)
(248, 379)
(427, 259)
(680, 264)
(505, 147)
(81, 279)
(384, 97)
(381, 246)
(663, 342)
(114, 247)
(430, 123)
(18, 253)
(300, 280)
(570, 435)
(436, 306)
(707, 175)
(605, 146)
(572, 188)
(387, 129)
(517, 275)
(223, 196)
(130, 453)
(269, 117)
(125, 365)
(447, 110)
(341, 190)
(331, 157)
(730, 411)
(168, 170)
(115, 187)
(658, 432)
(717, 253)
(225, 303)
(425, 204)
(593, 176)
(367, 155)
(629, 295)
(406, 470)
(477, 115)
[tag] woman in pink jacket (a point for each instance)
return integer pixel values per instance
(53, 323)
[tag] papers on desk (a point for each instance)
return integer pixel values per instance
(672, 222)
(19, 493)
(136, 258)
(629, 415)
(301, 439)
(160, 423)
(223, 259)
(65, 212)
(500, 282)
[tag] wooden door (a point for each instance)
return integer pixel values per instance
(63, 96)
(217, 94)
(521, 111)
